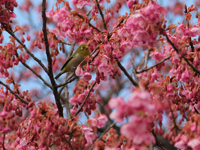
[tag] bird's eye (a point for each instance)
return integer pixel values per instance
(82, 48)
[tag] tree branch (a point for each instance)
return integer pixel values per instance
(143, 70)
(85, 99)
(79, 15)
(104, 132)
(24, 46)
(146, 59)
(157, 141)
(134, 69)
(69, 143)
(22, 100)
(126, 73)
(49, 59)
(33, 71)
(174, 120)
(176, 49)
(3, 142)
(101, 13)
(66, 101)
(196, 110)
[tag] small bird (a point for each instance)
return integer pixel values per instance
(75, 59)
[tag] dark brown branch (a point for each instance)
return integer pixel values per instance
(196, 110)
(187, 61)
(24, 46)
(174, 120)
(23, 101)
(69, 143)
(104, 132)
(89, 23)
(126, 73)
(101, 13)
(34, 72)
(191, 44)
(4, 136)
(143, 70)
(157, 141)
(85, 99)
(69, 80)
(49, 59)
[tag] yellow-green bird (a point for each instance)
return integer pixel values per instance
(76, 58)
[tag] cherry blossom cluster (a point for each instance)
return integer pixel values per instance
(6, 10)
(45, 127)
(80, 96)
(140, 110)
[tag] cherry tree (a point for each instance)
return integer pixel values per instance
(143, 67)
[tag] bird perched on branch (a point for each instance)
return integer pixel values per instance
(78, 57)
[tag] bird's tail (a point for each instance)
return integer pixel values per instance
(58, 75)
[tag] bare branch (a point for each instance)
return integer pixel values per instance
(134, 69)
(157, 141)
(4, 136)
(65, 42)
(104, 132)
(146, 59)
(22, 100)
(101, 13)
(126, 73)
(69, 143)
(69, 80)
(196, 110)
(187, 61)
(174, 120)
(143, 70)
(66, 102)
(34, 72)
(49, 59)
(85, 99)
(89, 23)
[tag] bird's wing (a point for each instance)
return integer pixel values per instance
(67, 62)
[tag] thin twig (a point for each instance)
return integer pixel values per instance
(24, 46)
(143, 70)
(126, 73)
(22, 100)
(157, 141)
(34, 72)
(65, 42)
(85, 99)
(100, 137)
(69, 80)
(89, 23)
(174, 120)
(88, 13)
(69, 143)
(146, 59)
(188, 25)
(176, 49)
(101, 13)
(66, 102)
(49, 59)
(134, 69)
